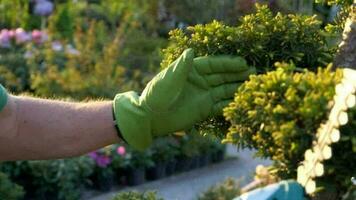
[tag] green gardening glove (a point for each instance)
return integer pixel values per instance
(187, 92)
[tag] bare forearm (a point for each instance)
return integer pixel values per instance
(48, 129)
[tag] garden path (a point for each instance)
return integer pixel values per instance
(187, 186)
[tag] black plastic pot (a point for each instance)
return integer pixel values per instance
(171, 167)
(218, 156)
(135, 176)
(104, 182)
(156, 172)
(121, 176)
(183, 164)
(204, 160)
(195, 162)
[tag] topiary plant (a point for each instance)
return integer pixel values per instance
(278, 114)
(261, 38)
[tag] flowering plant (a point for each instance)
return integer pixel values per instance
(18, 37)
(102, 157)
(119, 153)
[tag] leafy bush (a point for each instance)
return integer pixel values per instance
(14, 70)
(261, 38)
(89, 69)
(133, 195)
(51, 179)
(227, 190)
(9, 190)
(60, 179)
(164, 149)
(278, 114)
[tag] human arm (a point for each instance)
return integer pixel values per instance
(33, 128)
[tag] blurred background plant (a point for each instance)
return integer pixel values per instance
(226, 190)
(134, 195)
(8, 189)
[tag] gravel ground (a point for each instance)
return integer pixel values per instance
(187, 186)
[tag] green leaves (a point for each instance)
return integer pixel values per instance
(278, 113)
(261, 38)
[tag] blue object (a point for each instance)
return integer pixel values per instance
(284, 190)
(3, 97)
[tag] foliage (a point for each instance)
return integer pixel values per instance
(164, 149)
(51, 179)
(61, 23)
(339, 2)
(261, 38)
(227, 190)
(8, 189)
(89, 69)
(133, 195)
(137, 159)
(12, 14)
(60, 179)
(278, 113)
(15, 73)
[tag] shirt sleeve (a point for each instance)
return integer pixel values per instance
(3, 97)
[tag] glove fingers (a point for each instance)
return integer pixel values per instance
(218, 108)
(166, 86)
(219, 79)
(219, 64)
(183, 64)
(223, 92)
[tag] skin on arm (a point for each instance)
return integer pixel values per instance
(33, 128)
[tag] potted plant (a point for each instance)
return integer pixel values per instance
(103, 176)
(118, 162)
(217, 151)
(188, 152)
(162, 152)
(135, 163)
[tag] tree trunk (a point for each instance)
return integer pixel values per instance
(346, 55)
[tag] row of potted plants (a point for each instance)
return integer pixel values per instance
(119, 164)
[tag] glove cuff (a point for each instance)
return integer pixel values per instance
(3, 97)
(132, 120)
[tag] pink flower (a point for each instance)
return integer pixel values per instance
(11, 34)
(93, 155)
(121, 150)
(103, 161)
(39, 36)
(5, 38)
(21, 36)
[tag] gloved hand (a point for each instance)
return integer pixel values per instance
(188, 91)
(3, 97)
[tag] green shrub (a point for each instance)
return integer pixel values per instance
(164, 149)
(133, 195)
(9, 190)
(227, 190)
(90, 69)
(14, 72)
(261, 38)
(278, 114)
(60, 179)
(51, 179)
(13, 13)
